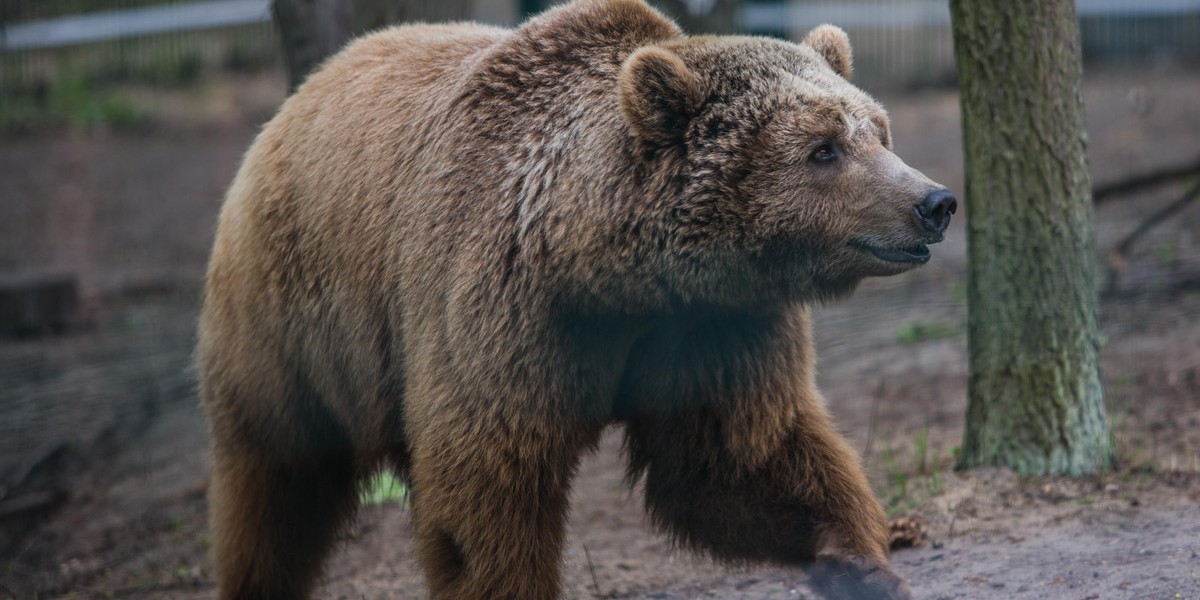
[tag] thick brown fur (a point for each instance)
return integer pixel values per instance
(461, 252)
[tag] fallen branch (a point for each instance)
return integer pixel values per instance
(592, 569)
(30, 502)
(1109, 191)
(1185, 282)
(1118, 257)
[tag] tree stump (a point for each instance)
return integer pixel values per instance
(38, 303)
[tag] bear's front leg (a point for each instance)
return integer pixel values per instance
(807, 503)
(852, 536)
(742, 461)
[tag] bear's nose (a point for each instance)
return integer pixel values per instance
(935, 209)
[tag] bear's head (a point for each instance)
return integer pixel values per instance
(778, 174)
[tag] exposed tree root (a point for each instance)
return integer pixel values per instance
(1115, 189)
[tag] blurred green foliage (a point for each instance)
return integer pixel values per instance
(71, 101)
(382, 488)
(915, 332)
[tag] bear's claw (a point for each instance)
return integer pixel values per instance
(856, 579)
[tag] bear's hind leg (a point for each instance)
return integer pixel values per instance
(275, 517)
(490, 509)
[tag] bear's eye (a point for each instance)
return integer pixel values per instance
(824, 153)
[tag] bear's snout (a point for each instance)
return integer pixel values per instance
(933, 212)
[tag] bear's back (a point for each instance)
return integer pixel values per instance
(407, 176)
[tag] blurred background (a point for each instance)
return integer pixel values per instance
(123, 121)
(898, 43)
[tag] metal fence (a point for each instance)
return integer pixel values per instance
(156, 41)
(909, 42)
(896, 42)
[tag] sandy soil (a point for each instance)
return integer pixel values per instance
(103, 422)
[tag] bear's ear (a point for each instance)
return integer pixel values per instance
(834, 46)
(659, 95)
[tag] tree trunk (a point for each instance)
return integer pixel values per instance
(373, 14)
(1035, 397)
(312, 30)
(702, 16)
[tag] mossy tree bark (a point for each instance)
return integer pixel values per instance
(1035, 396)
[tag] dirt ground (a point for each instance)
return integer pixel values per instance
(103, 462)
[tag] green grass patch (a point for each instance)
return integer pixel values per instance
(916, 332)
(906, 483)
(382, 488)
(896, 477)
(958, 292)
(1165, 254)
(1122, 380)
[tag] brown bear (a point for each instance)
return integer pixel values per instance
(461, 252)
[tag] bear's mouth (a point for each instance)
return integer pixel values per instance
(918, 254)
